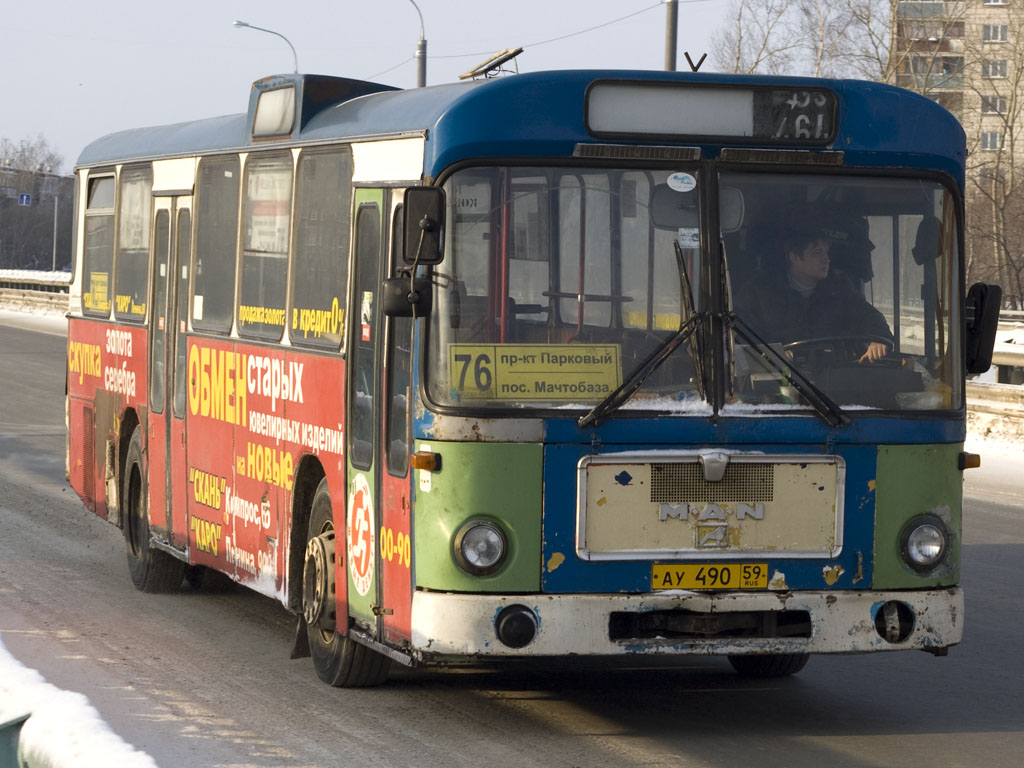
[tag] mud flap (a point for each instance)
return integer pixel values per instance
(300, 649)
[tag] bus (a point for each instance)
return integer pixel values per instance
(525, 366)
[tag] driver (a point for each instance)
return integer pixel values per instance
(802, 299)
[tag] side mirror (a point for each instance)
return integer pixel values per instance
(982, 315)
(402, 297)
(423, 226)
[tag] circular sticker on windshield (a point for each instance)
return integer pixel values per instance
(681, 182)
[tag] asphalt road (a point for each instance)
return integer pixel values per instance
(204, 679)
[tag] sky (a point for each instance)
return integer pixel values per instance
(77, 71)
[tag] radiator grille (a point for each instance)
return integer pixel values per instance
(88, 454)
(684, 481)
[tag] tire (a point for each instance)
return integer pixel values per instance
(150, 569)
(769, 665)
(338, 660)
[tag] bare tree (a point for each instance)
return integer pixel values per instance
(30, 155)
(836, 38)
(823, 28)
(759, 37)
(35, 205)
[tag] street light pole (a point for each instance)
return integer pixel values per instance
(247, 25)
(671, 25)
(56, 207)
(421, 52)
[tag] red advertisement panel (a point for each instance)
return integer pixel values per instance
(106, 377)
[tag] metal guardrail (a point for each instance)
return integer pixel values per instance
(29, 289)
(31, 299)
(997, 399)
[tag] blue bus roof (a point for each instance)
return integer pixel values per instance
(542, 115)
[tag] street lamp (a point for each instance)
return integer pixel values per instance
(421, 52)
(295, 57)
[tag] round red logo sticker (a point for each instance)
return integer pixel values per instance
(361, 539)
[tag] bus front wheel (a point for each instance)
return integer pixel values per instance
(151, 570)
(338, 660)
(769, 665)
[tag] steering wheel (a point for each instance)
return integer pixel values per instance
(837, 350)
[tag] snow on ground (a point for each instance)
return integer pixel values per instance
(987, 432)
(64, 730)
(42, 320)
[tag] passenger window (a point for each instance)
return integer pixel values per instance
(399, 368)
(181, 313)
(323, 199)
(99, 246)
(362, 359)
(268, 210)
(133, 214)
(216, 241)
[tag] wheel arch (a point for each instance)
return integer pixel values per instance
(129, 421)
(307, 477)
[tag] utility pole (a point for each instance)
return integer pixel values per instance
(671, 25)
(421, 52)
(56, 207)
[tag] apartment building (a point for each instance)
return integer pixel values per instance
(969, 57)
(966, 56)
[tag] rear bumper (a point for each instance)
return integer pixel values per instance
(459, 625)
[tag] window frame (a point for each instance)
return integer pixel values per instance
(1001, 31)
(996, 104)
(986, 143)
(100, 211)
(263, 330)
(296, 334)
(993, 69)
(199, 244)
(121, 253)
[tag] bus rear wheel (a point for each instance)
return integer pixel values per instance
(338, 660)
(769, 665)
(150, 569)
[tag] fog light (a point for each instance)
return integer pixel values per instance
(480, 547)
(516, 626)
(924, 543)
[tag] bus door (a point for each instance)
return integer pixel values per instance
(362, 512)
(396, 517)
(172, 228)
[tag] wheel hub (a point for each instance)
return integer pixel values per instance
(318, 582)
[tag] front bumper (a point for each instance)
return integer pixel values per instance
(459, 625)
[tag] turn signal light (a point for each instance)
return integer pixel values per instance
(969, 460)
(427, 460)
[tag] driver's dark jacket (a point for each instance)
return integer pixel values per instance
(780, 314)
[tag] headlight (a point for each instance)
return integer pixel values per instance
(480, 547)
(924, 543)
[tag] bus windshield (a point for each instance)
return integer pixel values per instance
(558, 282)
(559, 285)
(850, 280)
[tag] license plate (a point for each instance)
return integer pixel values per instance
(710, 576)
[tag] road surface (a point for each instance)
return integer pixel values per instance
(204, 679)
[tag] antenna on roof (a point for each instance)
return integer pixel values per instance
(492, 66)
(694, 67)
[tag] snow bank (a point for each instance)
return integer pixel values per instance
(64, 730)
(35, 274)
(37, 319)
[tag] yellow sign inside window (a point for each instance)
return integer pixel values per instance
(534, 372)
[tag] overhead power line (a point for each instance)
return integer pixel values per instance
(543, 42)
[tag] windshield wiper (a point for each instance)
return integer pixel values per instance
(687, 330)
(641, 373)
(822, 403)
